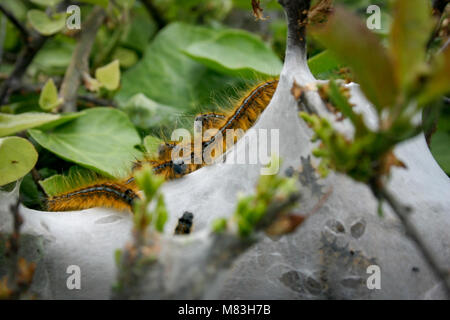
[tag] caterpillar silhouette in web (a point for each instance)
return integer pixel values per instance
(120, 194)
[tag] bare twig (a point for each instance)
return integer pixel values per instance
(439, 6)
(23, 31)
(89, 99)
(25, 58)
(403, 213)
(95, 101)
(80, 59)
(20, 276)
(438, 10)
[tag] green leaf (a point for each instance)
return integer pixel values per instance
(342, 103)
(103, 3)
(55, 56)
(237, 53)
(49, 99)
(102, 139)
(347, 37)
(171, 78)
(147, 114)
(17, 158)
(137, 33)
(44, 24)
(410, 31)
(127, 58)
(46, 3)
(438, 83)
(151, 145)
(323, 63)
(109, 75)
(30, 196)
(219, 225)
(63, 118)
(77, 176)
(440, 150)
(161, 214)
(11, 123)
(409, 34)
(440, 142)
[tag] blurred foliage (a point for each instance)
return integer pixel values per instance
(159, 62)
(398, 80)
(251, 209)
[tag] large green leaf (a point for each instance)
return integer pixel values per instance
(11, 123)
(169, 77)
(147, 114)
(102, 139)
(347, 37)
(137, 33)
(17, 158)
(44, 24)
(409, 34)
(236, 52)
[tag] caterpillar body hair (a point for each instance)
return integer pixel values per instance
(107, 193)
(245, 114)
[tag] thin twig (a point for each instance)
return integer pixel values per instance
(36, 178)
(403, 213)
(25, 58)
(23, 31)
(90, 99)
(438, 10)
(21, 272)
(79, 63)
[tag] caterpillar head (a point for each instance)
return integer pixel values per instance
(179, 167)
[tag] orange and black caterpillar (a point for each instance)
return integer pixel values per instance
(243, 117)
(104, 193)
(120, 194)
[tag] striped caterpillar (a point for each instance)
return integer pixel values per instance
(120, 194)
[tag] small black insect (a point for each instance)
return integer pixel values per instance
(184, 225)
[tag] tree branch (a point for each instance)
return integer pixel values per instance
(33, 43)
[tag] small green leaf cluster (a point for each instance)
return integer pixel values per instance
(251, 209)
(144, 216)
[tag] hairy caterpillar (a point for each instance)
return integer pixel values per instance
(120, 194)
(243, 116)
